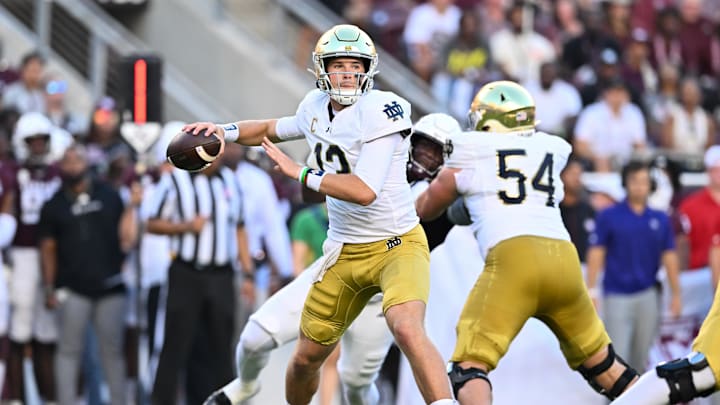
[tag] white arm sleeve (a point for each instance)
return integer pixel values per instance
(374, 162)
(8, 224)
(287, 128)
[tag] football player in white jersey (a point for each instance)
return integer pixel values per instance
(364, 345)
(375, 244)
(508, 176)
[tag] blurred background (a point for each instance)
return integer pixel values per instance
(621, 80)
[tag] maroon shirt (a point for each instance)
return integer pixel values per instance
(33, 186)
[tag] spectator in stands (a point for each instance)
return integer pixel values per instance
(617, 20)
(204, 212)
(464, 65)
(688, 128)
(27, 94)
(428, 29)
(493, 16)
(557, 101)
(84, 230)
(631, 241)
(8, 75)
(700, 54)
(56, 108)
(609, 131)
(666, 46)
(644, 13)
(586, 49)
(567, 23)
(659, 103)
(577, 213)
(104, 143)
(593, 80)
(519, 50)
(699, 214)
(636, 69)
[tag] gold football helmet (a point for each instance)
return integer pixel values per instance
(502, 106)
(345, 41)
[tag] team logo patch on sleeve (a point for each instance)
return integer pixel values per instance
(394, 111)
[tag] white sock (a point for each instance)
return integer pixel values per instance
(233, 390)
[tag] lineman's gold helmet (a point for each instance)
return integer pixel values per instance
(345, 41)
(502, 106)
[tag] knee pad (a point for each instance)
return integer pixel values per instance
(459, 376)
(620, 384)
(680, 379)
(255, 339)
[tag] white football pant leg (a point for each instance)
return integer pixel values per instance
(362, 352)
(274, 324)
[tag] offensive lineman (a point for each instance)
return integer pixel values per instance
(375, 243)
(509, 177)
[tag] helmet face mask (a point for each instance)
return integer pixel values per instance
(502, 106)
(344, 41)
(428, 143)
(426, 157)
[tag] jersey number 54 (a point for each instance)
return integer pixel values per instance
(508, 173)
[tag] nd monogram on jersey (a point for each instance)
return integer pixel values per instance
(511, 184)
(335, 148)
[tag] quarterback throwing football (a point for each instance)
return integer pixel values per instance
(375, 244)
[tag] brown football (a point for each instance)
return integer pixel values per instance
(193, 152)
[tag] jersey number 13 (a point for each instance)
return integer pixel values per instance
(537, 182)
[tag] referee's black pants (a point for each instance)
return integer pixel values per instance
(197, 299)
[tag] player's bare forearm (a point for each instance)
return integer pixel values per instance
(595, 263)
(441, 193)
(672, 268)
(48, 260)
(244, 251)
(250, 132)
(165, 227)
(682, 248)
(128, 228)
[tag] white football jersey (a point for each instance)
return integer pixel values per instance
(335, 148)
(511, 184)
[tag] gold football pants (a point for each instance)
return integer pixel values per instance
(398, 267)
(529, 276)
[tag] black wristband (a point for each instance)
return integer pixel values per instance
(249, 276)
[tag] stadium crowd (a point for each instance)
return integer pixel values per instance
(621, 80)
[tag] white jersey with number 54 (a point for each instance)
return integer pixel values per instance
(335, 146)
(511, 184)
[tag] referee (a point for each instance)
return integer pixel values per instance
(203, 213)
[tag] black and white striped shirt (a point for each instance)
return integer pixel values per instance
(181, 196)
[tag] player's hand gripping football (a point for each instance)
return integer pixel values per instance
(210, 128)
(283, 163)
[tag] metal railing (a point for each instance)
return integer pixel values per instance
(92, 43)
